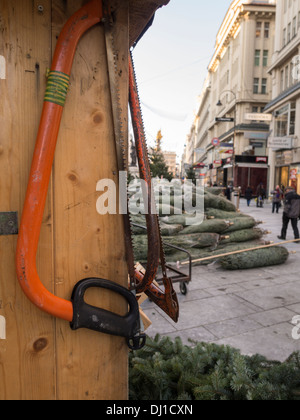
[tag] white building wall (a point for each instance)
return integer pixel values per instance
(286, 89)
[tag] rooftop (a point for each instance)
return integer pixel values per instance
(141, 14)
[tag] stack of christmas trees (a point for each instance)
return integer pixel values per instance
(218, 229)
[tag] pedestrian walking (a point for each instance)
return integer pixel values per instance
(291, 212)
(261, 195)
(248, 195)
(228, 191)
(276, 200)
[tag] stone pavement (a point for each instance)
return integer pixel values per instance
(251, 310)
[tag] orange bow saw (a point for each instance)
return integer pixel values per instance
(76, 311)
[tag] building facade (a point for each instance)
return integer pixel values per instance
(230, 133)
(170, 159)
(201, 132)
(284, 142)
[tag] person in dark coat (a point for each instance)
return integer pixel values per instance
(291, 212)
(228, 191)
(261, 195)
(248, 195)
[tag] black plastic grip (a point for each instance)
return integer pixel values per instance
(101, 320)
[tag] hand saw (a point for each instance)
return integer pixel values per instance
(76, 310)
(166, 300)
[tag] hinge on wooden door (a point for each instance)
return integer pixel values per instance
(8, 223)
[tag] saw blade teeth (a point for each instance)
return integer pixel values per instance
(120, 134)
(162, 251)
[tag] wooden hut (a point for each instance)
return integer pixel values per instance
(41, 358)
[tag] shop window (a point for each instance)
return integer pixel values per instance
(258, 29)
(289, 32)
(284, 38)
(286, 77)
(294, 177)
(282, 122)
(267, 30)
(292, 119)
(285, 176)
(259, 147)
(297, 186)
(257, 58)
(286, 121)
(265, 58)
(294, 27)
(264, 86)
(291, 73)
(282, 80)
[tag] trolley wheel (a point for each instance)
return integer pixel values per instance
(183, 288)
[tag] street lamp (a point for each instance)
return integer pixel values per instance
(219, 104)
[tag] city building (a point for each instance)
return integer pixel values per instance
(170, 159)
(284, 142)
(201, 132)
(190, 147)
(229, 135)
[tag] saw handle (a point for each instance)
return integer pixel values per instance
(101, 320)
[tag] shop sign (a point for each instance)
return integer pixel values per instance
(225, 148)
(257, 144)
(226, 145)
(256, 136)
(261, 159)
(280, 143)
(224, 119)
(258, 117)
(200, 150)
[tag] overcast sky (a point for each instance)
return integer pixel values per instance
(171, 65)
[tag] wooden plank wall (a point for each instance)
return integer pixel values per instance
(40, 357)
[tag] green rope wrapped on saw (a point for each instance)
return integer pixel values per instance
(57, 87)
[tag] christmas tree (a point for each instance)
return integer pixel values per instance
(168, 370)
(157, 161)
(190, 174)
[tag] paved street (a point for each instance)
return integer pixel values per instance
(251, 310)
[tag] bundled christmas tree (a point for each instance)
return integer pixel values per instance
(168, 370)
